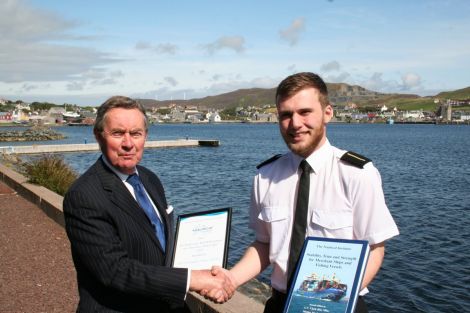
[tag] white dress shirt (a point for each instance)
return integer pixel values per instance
(344, 202)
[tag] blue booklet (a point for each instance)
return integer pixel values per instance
(328, 276)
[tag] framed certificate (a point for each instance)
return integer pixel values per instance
(328, 276)
(202, 239)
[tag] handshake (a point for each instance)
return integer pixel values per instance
(217, 284)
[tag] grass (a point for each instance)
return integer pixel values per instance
(52, 172)
(426, 104)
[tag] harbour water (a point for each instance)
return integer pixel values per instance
(426, 179)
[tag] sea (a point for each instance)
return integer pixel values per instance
(426, 180)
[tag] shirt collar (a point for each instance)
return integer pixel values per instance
(121, 175)
(317, 159)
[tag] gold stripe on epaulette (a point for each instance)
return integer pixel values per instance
(355, 156)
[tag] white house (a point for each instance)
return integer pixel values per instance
(214, 117)
(413, 114)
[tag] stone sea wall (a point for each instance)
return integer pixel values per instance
(31, 134)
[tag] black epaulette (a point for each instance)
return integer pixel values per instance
(355, 159)
(274, 158)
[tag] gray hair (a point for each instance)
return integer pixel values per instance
(116, 102)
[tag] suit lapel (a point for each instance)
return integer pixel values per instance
(122, 198)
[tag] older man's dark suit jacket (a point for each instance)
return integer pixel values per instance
(119, 261)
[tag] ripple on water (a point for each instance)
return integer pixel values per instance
(425, 176)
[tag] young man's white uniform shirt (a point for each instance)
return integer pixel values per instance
(345, 201)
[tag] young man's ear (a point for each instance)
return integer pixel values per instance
(327, 113)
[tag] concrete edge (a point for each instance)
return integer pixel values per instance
(51, 203)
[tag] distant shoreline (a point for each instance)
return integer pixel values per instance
(264, 122)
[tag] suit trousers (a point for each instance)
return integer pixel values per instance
(276, 303)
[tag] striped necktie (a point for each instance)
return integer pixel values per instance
(146, 205)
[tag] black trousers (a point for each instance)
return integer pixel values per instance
(276, 303)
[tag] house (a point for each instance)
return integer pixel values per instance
(176, 115)
(359, 116)
(265, 117)
(23, 106)
(56, 113)
(413, 115)
(214, 117)
(6, 117)
(20, 116)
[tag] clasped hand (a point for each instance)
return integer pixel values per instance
(217, 284)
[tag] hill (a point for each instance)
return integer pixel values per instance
(241, 97)
(459, 94)
(340, 94)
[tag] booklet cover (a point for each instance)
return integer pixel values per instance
(328, 276)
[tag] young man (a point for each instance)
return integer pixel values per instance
(344, 197)
(121, 228)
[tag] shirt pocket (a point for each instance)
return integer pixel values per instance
(276, 219)
(273, 214)
(338, 224)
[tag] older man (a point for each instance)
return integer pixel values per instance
(120, 226)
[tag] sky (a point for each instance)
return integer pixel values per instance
(84, 51)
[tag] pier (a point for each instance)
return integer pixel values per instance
(91, 147)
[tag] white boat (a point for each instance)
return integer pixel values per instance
(70, 114)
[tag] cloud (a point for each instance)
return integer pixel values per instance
(171, 81)
(411, 81)
(116, 74)
(343, 77)
(216, 77)
(330, 66)
(235, 43)
(163, 93)
(75, 86)
(143, 45)
(377, 83)
(292, 33)
(22, 23)
(28, 87)
(292, 68)
(94, 77)
(27, 51)
(217, 88)
(105, 81)
(162, 48)
(166, 48)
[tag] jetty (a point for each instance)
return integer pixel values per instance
(92, 147)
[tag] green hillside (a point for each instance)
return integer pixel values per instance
(241, 97)
(426, 104)
(459, 94)
(340, 94)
